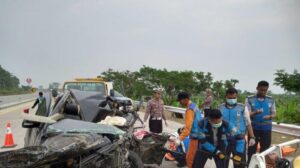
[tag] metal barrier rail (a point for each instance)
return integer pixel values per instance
(258, 160)
(287, 129)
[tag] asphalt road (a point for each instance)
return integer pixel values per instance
(13, 115)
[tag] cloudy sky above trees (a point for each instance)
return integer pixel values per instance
(54, 40)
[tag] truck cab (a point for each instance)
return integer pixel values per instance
(97, 84)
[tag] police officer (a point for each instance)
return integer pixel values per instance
(262, 110)
(235, 113)
(155, 109)
(213, 141)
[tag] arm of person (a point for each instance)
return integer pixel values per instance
(208, 146)
(147, 113)
(273, 113)
(273, 110)
(248, 107)
(35, 103)
(164, 116)
(189, 118)
(240, 138)
(248, 122)
(163, 112)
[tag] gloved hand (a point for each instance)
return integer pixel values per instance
(251, 141)
(176, 140)
(237, 159)
(220, 155)
(172, 138)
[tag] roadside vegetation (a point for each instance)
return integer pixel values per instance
(10, 84)
(139, 84)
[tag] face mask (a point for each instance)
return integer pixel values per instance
(231, 101)
(217, 125)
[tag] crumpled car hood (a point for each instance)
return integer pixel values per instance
(77, 126)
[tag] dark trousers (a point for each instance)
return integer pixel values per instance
(264, 138)
(231, 149)
(155, 126)
(201, 158)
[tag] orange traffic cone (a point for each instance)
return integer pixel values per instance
(9, 140)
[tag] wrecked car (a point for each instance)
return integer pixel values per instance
(73, 143)
(70, 134)
(149, 146)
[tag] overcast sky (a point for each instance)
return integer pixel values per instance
(55, 40)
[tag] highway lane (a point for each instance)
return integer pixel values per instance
(13, 115)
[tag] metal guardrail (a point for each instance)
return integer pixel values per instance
(287, 129)
(258, 160)
(175, 109)
(168, 108)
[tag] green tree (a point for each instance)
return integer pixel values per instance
(218, 89)
(8, 80)
(203, 80)
(231, 83)
(289, 82)
(140, 83)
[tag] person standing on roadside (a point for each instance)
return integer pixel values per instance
(155, 109)
(235, 113)
(206, 105)
(41, 102)
(262, 111)
(192, 118)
